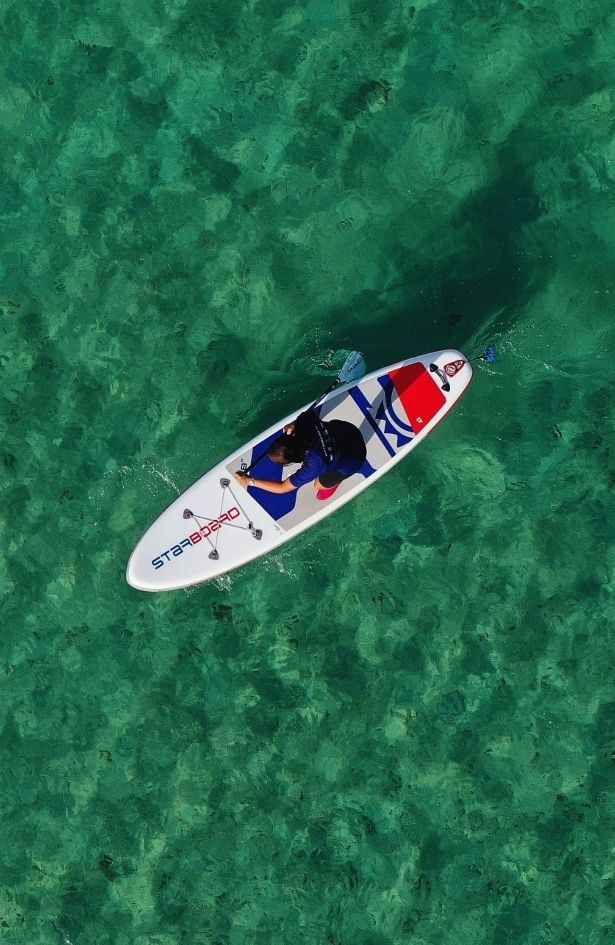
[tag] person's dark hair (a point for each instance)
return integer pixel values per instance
(286, 449)
(292, 449)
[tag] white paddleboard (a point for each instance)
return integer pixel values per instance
(217, 525)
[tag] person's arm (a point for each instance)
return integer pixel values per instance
(269, 485)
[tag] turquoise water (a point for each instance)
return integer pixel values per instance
(399, 729)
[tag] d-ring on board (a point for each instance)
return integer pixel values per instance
(222, 519)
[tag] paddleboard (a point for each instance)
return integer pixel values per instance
(217, 525)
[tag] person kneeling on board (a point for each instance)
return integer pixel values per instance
(329, 452)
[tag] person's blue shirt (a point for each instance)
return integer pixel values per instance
(349, 454)
(313, 465)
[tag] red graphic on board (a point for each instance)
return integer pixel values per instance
(452, 367)
(421, 397)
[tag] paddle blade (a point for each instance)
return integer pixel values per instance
(353, 367)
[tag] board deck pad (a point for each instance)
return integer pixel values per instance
(216, 525)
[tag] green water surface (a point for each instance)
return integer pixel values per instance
(401, 727)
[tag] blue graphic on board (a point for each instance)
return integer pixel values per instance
(384, 413)
(363, 403)
(275, 505)
(393, 424)
(366, 469)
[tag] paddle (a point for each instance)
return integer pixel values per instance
(352, 369)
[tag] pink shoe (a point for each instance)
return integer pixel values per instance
(327, 493)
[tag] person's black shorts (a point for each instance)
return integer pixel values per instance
(349, 440)
(332, 478)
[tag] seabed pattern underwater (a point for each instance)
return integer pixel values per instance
(401, 729)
